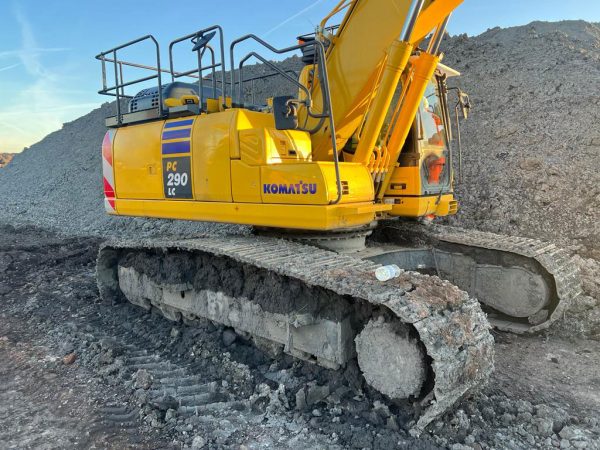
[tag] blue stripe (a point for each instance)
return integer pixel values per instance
(177, 134)
(176, 147)
(181, 123)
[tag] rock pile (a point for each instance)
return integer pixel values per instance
(532, 145)
(5, 158)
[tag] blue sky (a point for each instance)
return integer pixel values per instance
(48, 75)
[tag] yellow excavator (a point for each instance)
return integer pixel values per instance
(338, 179)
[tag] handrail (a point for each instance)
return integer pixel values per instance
(119, 84)
(200, 69)
(269, 47)
(143, 66)
(327, 102)
(175, 74)
(251, 80)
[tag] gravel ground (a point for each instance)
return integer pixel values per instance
(83, 374)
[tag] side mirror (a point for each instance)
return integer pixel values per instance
(201, 40)
(285, 112)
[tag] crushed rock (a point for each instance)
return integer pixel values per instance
(532, 134)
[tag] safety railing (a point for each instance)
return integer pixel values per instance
(118, 89)
(205, 34)
(200, 40)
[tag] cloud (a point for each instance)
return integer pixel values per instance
(28, 56)
(42, 101)
(36, 51)
(12, 66)
(14, 127)
(29, 53)
(292, 17)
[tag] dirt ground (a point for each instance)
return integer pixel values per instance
(76, 373)
(550, 370)
(45, 402)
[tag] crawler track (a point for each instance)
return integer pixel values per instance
(448, 324)
(560, 276)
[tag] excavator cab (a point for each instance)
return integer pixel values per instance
(422, 183)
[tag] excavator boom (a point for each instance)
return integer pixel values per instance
(372, 29)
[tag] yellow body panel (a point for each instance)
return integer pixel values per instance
(238, 168)
(259, 146)
(211, 161)
(246, 187)
(306, 217)
(241, 120)
(405, 181)
(138, 161)
(425, 206)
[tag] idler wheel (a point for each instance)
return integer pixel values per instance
(391, 361)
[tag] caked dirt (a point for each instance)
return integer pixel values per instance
(78, 373)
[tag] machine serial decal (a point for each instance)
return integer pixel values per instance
(177, 177)
(298, 188)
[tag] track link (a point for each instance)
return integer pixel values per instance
(449, 324)
(563, 278)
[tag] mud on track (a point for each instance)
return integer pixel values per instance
(141, 381)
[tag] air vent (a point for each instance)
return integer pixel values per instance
(345, 188)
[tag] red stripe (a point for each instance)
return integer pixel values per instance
(107, 148)
(111, 202)
(109, 191)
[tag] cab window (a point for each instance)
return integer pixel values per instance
(432, 124)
